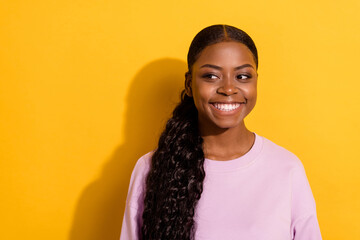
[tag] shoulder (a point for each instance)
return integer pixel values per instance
(142, 165)
(278, 155)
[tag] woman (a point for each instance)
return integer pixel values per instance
(210, 177)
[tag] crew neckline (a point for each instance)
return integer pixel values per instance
(233, 164)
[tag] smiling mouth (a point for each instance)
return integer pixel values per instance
(226, 107)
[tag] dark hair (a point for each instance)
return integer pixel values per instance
(175, 180)
(215, 34)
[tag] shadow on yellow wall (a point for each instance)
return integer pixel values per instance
(153, 93)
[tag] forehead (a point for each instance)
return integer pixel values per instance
(225, 54)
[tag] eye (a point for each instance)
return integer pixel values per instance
(210, 76)
(243, 77)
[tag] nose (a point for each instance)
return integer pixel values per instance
(227, 88)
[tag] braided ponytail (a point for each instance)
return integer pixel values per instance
(175, 183)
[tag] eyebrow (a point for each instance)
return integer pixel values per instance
(220, 68)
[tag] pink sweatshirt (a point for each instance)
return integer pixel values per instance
(262, 195)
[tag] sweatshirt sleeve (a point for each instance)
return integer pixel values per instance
(304, 223)
(130, 229)
(132, 220)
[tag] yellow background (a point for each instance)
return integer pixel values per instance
(86, 86)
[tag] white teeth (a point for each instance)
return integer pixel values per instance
(226, 106)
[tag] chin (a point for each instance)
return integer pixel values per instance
(228, 124)
(215, 123)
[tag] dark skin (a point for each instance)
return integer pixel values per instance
(223, 84)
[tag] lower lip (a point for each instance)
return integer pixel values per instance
(227, 112)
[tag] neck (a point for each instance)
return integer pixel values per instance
(225, 144)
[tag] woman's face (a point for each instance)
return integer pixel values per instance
(223, 85)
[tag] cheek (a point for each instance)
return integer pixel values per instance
(250, 91)
(202, 92)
